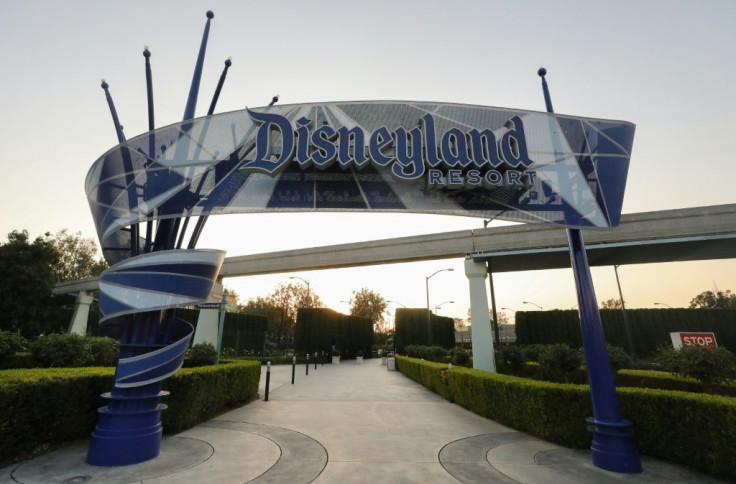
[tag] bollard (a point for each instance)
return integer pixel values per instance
(268, 379)
(307, 364)
(315, 360)
(322, 359)
(293, 369)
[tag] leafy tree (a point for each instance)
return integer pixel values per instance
(714, 300)
(280, 307)
(26, 278)
(77, 257)
(612, 304)
(369, 304)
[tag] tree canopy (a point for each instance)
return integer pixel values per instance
(369, 304)
(714, 300)
(280, 307)
(77, 256)
(27, 275)
(612, 304)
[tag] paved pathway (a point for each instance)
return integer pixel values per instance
(346, 423)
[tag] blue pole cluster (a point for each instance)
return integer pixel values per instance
(152, 341)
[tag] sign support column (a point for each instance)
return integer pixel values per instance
(612, 448)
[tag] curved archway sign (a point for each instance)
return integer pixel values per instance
(368, 156)
(349, 156)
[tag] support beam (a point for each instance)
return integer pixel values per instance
(78, 323)
(209, 319)
(482, 338)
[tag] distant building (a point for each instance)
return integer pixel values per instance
(506, 332)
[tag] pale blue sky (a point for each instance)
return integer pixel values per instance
(667, 66)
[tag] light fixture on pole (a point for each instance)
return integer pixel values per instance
(533, 304)
(662, 304)
(309, 295)
(395, 302)
(429, 313)
(440, 304)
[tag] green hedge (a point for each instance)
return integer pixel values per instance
(411, 329)
(319, 329)
(685, 428)
(45, 407)
(667, 381)
(650, 328)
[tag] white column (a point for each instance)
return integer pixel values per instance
(78, 324)
(209, 320)
(480, 322)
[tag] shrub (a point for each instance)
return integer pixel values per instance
(619, 358)
(11, 343)
(61, 350)
(509, 359)
(532, 352)
(431, 353)
(709, 365)
(460, 356)
(560, 357)
(73, 350)
(104, 350)
(201, 354)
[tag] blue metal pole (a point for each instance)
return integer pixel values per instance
(151, 136)
(210, 111)
(612, 448)
(128, 165)
(166, 235)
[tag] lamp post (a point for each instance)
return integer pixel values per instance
(429, 313)
(309, 296)
(440, 304)
(533, 304)
(395, 302)
(662, 304)
(623, 308)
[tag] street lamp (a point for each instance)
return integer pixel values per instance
(533, 304)
(508, 309)
(395, 302)
(309, 296)
(429, 313)
(440, 304)
(662, 304)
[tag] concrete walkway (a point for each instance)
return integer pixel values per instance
(346, 423)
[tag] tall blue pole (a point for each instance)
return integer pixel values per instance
(612, 448)
(151, 136)
(168, 229)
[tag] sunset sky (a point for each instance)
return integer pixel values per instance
(667, 66)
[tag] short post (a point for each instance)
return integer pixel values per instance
(293, 369)
(307, 364)
(315, 360)
(322, 358)
(268, 379)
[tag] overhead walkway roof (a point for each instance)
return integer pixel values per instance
(698, 233)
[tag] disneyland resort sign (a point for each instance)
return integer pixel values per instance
(455, 158)
(416, 157)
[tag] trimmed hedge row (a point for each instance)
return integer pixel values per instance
(411, 329)
(45, 407)
(667, 381)
(685, 428)
(650, 328)
(321, 329)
